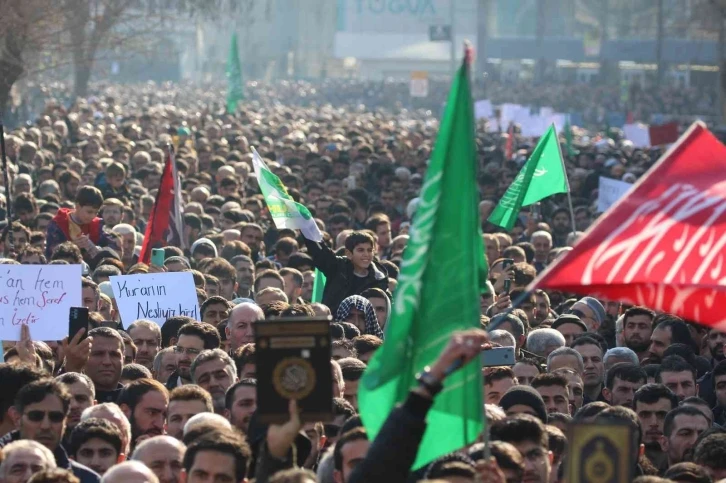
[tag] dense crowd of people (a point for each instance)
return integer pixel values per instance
(592, 103)
(135, 401)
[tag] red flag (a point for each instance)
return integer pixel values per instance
(164, 226)
(509, 146)
(663, 133)
(661, 245)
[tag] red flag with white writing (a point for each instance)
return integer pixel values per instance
(664, 244)
(164, 226)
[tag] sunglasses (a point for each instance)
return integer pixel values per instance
(38, 416)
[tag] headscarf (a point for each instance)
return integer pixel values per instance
(362, 304)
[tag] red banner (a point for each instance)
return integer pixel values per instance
(664, 245)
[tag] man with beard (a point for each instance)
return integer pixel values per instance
(669, 329)
(652, 403)
(542, 308)
(214, 371)
(637, 329)
(681, 429)
(83, 396)
(144, 402)
(561, 227)
(718, 376)
(240, 403)
(147, 338)
(715, 342)
(192, 339)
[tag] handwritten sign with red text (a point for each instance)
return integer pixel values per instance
(40, 296)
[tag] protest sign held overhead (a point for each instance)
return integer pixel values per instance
(155, 297)
(661, 246)
(39, 296)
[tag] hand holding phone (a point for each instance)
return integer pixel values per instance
(157, 256)
(77, 320)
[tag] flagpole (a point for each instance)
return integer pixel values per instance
(567, 182)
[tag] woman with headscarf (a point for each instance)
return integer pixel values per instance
(359, 311)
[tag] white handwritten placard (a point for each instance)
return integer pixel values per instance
(610, 191)
(41, 297)
(155, 296)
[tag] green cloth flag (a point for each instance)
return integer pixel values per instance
(543, 175)
(285, 212)
(443, 273)
(235, 89)
(318, 286)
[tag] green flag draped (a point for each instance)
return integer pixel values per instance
(318, 286)
(543, 175)
(442, 275)
(235, 89)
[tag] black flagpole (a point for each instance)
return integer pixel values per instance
(6, 179)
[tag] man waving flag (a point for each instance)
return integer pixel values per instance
(286, 212)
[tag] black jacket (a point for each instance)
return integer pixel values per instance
(339, 275)
(109, 396)
(393, 452)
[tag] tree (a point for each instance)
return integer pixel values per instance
(26, 27)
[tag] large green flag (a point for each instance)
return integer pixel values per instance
(543, 175)
(235, 89)
(442, 276)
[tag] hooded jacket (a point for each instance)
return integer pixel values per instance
(362, 304)
(341, 282)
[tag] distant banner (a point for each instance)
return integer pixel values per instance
(155, 296)
(39, 296)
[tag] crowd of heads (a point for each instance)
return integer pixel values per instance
(178, 401)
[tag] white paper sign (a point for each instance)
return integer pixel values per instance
(483, 109)
(155, 296)
(638, 134)
(610, 191)
(41, 297)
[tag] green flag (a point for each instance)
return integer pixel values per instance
(235, 89)
(285, 211)
(318, 286)
(442, 276)
(543, 175)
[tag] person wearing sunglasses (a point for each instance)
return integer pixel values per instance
(40, 413)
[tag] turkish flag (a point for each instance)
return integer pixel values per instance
(663, 245)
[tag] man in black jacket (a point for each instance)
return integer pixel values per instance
(351, 274)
